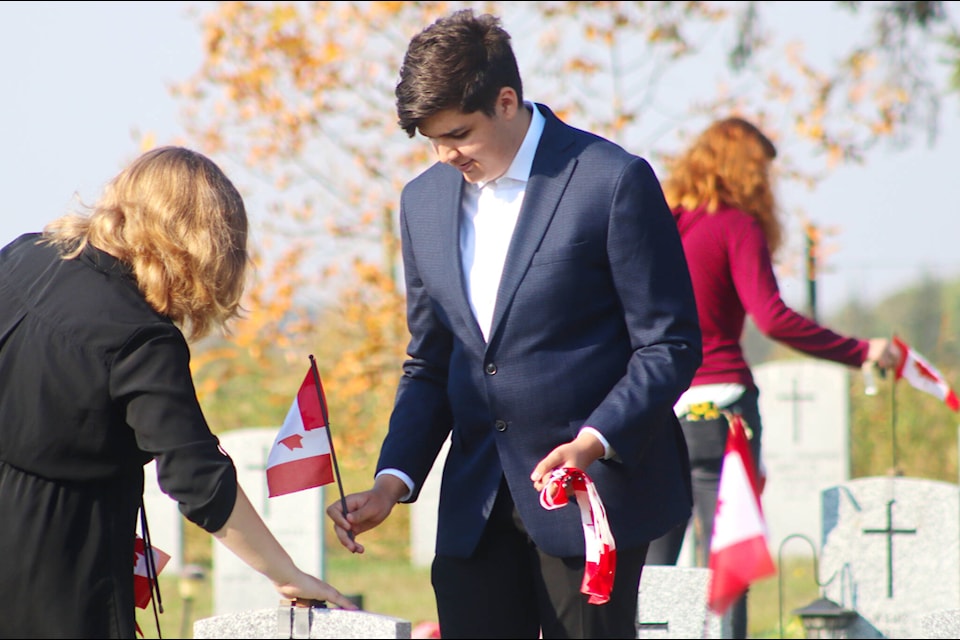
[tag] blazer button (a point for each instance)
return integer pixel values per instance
(500, 425)
(490, 368)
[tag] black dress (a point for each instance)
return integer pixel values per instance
(93, 385)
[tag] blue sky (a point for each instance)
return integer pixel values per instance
(81, 78)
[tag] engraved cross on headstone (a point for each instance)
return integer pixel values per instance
(795, 397)
(889, 532)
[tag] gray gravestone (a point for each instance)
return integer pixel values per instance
(891, 552)
(164, 521)
(805, 408)
(672, 603)
(301, 622)
(295, 519)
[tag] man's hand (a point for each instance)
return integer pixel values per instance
(579, 453)
(365, 510)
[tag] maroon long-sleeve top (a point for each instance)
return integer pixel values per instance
(733, 276)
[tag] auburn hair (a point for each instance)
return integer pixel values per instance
(728, 165)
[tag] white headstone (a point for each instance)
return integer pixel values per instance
(891, 552)
(296, 519)
(164, 521)
(688, 550)
(805, 408)
(423, 514)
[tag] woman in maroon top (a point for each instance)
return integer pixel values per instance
(720, 192)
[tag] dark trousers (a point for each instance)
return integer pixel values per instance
(706, 442)
(511, 589)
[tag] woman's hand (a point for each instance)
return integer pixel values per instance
(883, 353)
(308, 587)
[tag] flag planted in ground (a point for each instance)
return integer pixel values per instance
(301, 454)
(922, 375)
(739, 551)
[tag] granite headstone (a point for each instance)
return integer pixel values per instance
(672, 603)
(891, 552)
(285, 621)
(805, 407)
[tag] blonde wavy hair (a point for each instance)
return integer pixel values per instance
(179, 223)
(728, 165)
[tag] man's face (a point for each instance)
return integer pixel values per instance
(480, 146)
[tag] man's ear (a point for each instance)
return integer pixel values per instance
(507, 104)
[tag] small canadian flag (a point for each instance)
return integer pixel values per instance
(739, 554)
(142, 582)
(301, 455)
(922, 375)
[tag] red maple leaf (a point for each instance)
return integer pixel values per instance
(925, 372)
(293, 442)
(139, 553)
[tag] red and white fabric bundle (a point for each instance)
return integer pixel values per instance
(601, 553)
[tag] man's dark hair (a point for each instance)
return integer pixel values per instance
(460, 61)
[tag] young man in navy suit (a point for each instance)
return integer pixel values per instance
(552, 324)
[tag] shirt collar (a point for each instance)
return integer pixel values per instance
(519, 169)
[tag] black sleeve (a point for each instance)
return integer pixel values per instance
(151, 379)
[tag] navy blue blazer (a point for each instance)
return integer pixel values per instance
(595, 324)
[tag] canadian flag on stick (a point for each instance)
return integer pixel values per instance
(739, 554)
(924, 376)
(142, 592)
(301, 455)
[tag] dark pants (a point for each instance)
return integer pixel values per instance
(706, 442)
(511, 589)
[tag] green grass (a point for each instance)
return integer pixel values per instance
(181, 607)
(392, 586)
(772, 601)
(389, 587)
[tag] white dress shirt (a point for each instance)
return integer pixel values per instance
(489, 215)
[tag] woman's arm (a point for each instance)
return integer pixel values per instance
(247, 536)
